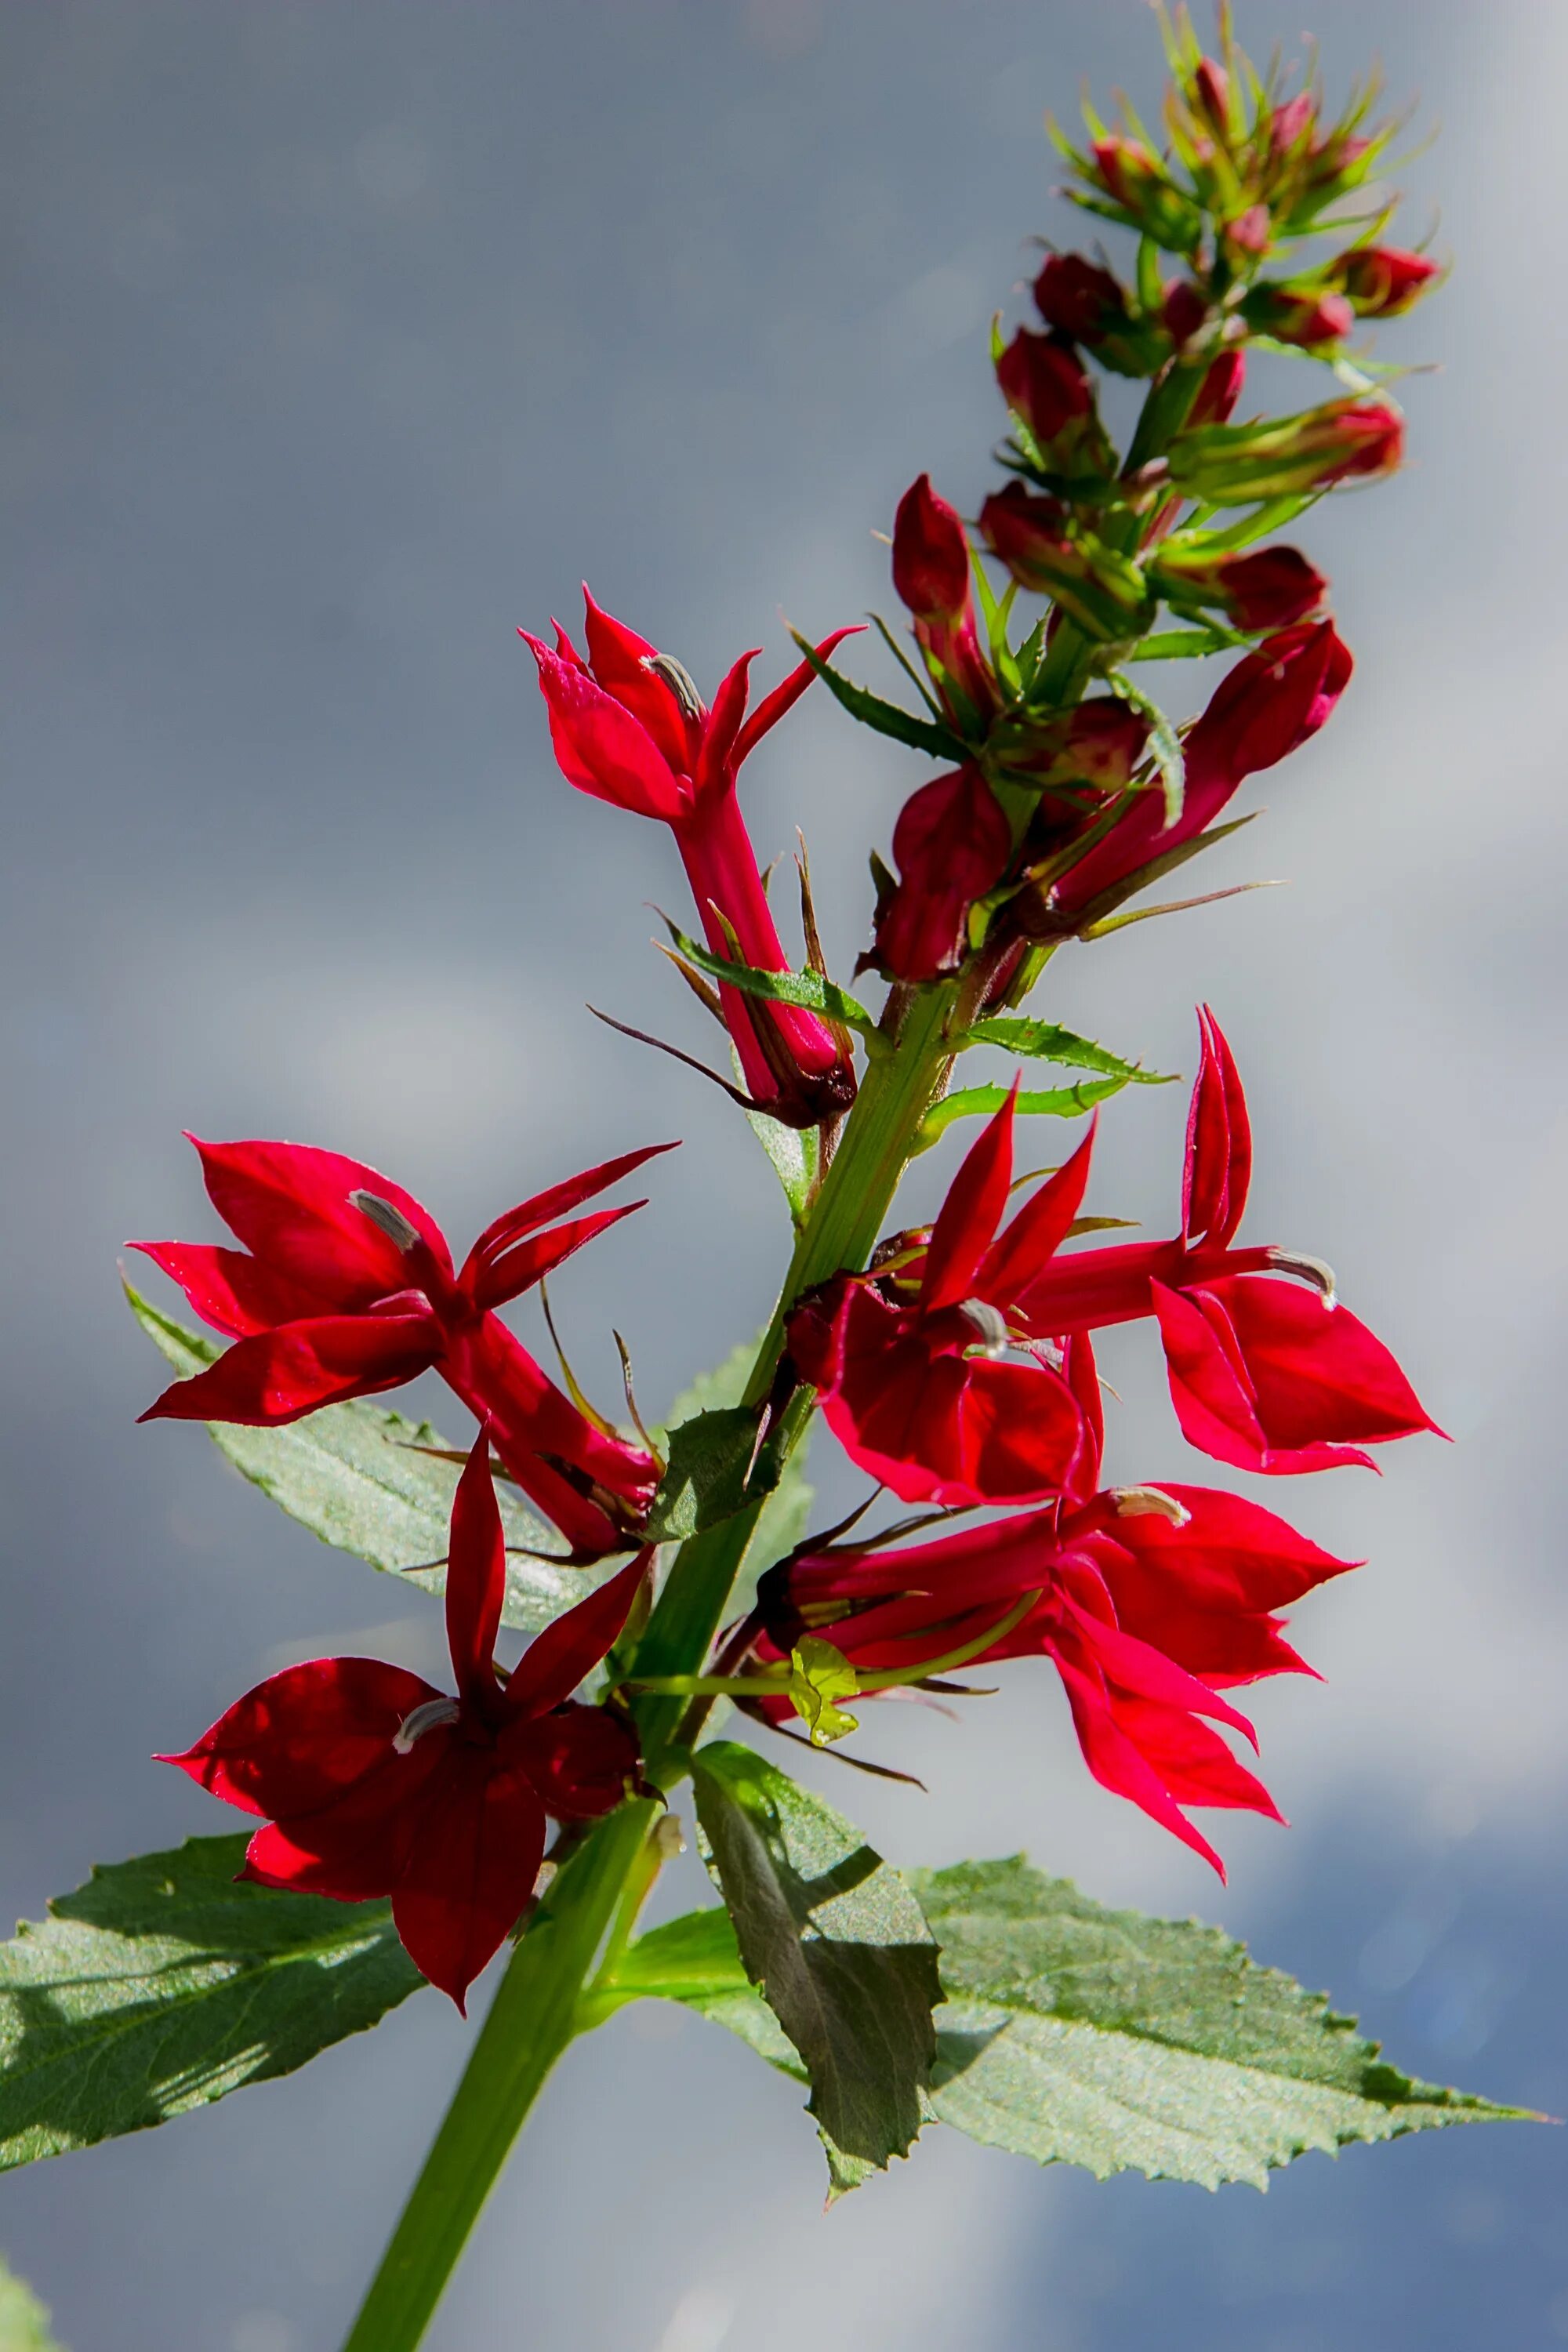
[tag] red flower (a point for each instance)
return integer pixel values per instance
(930, 574)
(629, 728)
(1262, 710)
(373, 1782)
(1149, 1601)
(1270, 588)
(952, 842)
(1045, 383)
(1302, 317)
(1288, 457)
(1078, 299)
(1382, 281)
(350, 1289)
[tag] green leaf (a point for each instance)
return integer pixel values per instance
(782, 1522)
(23, 2322)
(887, 717)
(1165, 743)
(710, 1474)
(819, 1676)
(695, 1960)
(795, 1153)
(835, 1941)
(1044, 1041)
(811, 990)
(368, 1481)
(161, 1984)
(1188, 645)
(1107, 2039)
(977, 1102)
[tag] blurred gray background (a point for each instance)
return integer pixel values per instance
(339, 340)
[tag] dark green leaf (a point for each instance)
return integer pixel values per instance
(809, 990)
(887, 717)
(710, 1474)
(360, 1479)
(23, 2322)
(1044, 1041)
(161, 1984)
(834, 1939)
(782, 1521)
(977, 1102)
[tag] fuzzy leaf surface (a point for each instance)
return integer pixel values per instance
(356, 1476)
(834, 1940)
(161, 1984)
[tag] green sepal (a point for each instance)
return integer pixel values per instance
(1046, 1041)
(1165, 743)
(984, 1102)
(835, 1942)
(809, 992)
(162, 1984)
(887, 717)
(819, 1676)
(1189, 644)
(368, 1481)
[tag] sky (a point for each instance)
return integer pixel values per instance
(341, 343)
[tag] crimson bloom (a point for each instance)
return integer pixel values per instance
(629, 726)
(1148, 1600)
(952, 842)
(350, 1289)
(373, 1782)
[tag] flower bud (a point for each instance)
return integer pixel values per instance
(1099, 743)
(1106, 595)
(1220, 389)
(1045, 385)
(931, 555)
(1304, 318)
(1134, 179)
(1185, 310)
(1233, 465)
(1380, 281)
(1078, 299)
(952, 842)
(1271, 588)
(1268, 705)
(1209, 97)
(1249, 233)
(1291, 123)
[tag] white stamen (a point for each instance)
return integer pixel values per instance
(1149, 1503)
(678, 677)
(1311, 1269)
(391, 1222)
(423, 1718)
(992, 1327)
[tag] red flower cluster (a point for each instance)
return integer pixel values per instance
(350, 1289)
(959, 1373)
(373, 1782)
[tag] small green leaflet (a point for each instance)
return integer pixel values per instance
(820, 1677)
(837, 1943)
(354, 1475)
(977, 1102)
(782, 1521)
(161, 1984)
(1042, 1041)
(711, 1475)
(23, 2322)
(1106, 2039)
(921, 734)
(1188, 645)
(809, 990)
(1165, 743)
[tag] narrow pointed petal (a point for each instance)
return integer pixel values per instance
(1230, 1555)
(783, 698)
(1136, 1667)
(302, 1738)
(556, 1660)
(289, 1203)
(1079, 1371)
(557, 1200)
(602, 748)
(1217, 1170)
(513, 1271)
(970, 1215)
(1029, 1243)
(1118, 1765)
(579, 1760)
(272, 1379)
(476, 1583)
(1319, 1374)
(621, 665)
(713, 772)
(471, 1867)
(237, 1294)
(1193, 1761)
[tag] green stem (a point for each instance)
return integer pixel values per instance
(532, 2019)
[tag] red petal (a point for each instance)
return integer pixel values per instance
(556, 1660)
(556, 1201)
(579, 1758)
(724, 724)
(1146, 1672)
(1217, 1170)
(234, 1294)
(289, 1204)
(278, 1375)
(355, 1848)
(1079, 1372)
(970, 1215)
(1319, 1374)
(513, 1271)
(601, 748)
(1024, 1251)
(785, 696)
(1193, 1761)
(471, 1868)
(620, 659)
(1117, 1763)
(476, 1582)
(1230, 1555)
(301, 1739)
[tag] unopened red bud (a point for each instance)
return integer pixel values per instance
(1105, 593)
(1344, 441)
(1305, 317)
(1271, 588)
(1099, 743)
(1250, 233)
(952, 842)
(1220, 390)
(1045, 383)
(1211, 95)
(1381, 281)
(1268, 705)
(931, 555)
(1127, 169)
(1078, 299)
(1291, 123)
(1184, 312)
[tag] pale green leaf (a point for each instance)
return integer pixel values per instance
(369, 1482)
(834, 1940)
(161, 1984)
(984, 1102)
(23, 2322)
(1046, 1041)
